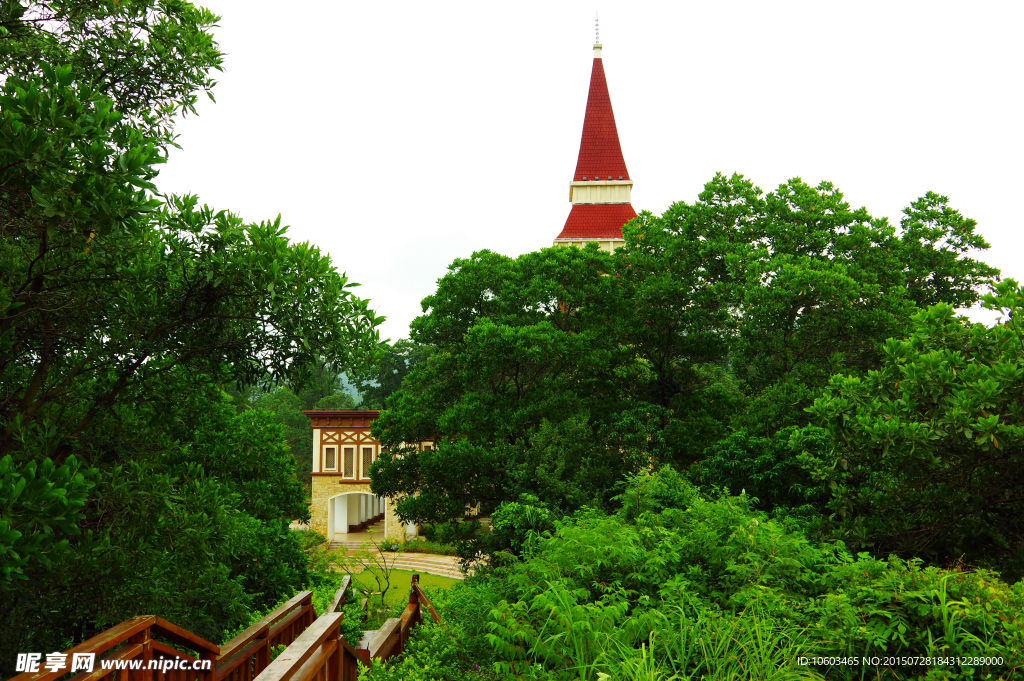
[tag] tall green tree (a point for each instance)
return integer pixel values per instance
(745, 303)
(787, 288)
(327, 384)
(150, 58)
(528, 389)
(682, 275)
(131, 482)
(105, 290)
(926, 454)
(376, 383)
(827, 281)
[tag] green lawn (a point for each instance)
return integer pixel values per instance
(401, 580)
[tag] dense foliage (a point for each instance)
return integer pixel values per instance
(324, 389)
(713, 589)
(737, 345)
(130, 481)
(525, 388)
(376, 382)
(756, 432)
(927, 452)
(150, 58)
(702, 342)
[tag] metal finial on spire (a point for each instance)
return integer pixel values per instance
(597, 30)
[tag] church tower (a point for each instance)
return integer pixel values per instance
(600, 189)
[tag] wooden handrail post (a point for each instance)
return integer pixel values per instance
(335, 661)
(263, 652)
(414, 599)
(142, 638)
(211, 673)
(425, 602)
(338, 603)
(310, 612)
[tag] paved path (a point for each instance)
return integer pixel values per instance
(445, 566)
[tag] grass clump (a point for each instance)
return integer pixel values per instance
(717, 590)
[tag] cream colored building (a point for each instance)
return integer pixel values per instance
(343, 451)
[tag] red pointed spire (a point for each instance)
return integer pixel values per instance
(600, 189)
(600, 154)
(591, 221)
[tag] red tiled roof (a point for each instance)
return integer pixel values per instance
(597, 220)
(600, 154)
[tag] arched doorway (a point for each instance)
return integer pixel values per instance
(352, 513)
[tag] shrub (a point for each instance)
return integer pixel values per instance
(927, 453)
(646, 491)
(427, 546)
(599, 596)
(432, 653)
(453, 532)
(513, 522)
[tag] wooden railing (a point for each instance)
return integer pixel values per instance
(338, 603)
(133, 645)
(318, 654)
(132, 648)
(321, 654)
(245, 656)
(390, 638)
(316, 650)
(422, 599)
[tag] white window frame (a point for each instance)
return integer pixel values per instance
(333, 468)
(363, 473)
(355, 462)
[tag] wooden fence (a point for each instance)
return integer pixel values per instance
(245, 656)
(135, 650)
(390, 639)
(132, 644)
(318, 654)
(129, 648)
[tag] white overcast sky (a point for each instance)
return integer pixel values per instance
(398, 136)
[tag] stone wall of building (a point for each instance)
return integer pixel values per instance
(326, 487)
(393, 527)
